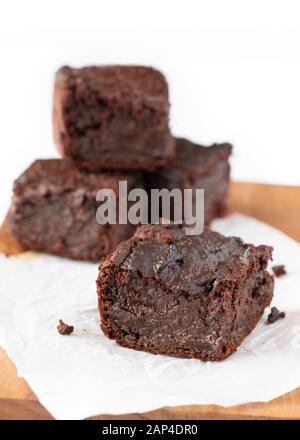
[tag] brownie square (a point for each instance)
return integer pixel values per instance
(193, 296)
(196, 166)
(112, 117)
(54, 210)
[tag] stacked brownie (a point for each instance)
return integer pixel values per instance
(114, 117)
(195, 167)
(110, 124)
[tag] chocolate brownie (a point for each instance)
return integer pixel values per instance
(279, 270)
(196, 166)
(64, 329)
(54, 210)
(112, 117)
(192, 296)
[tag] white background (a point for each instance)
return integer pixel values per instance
(233, 69)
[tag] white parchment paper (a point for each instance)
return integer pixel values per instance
(86, 374)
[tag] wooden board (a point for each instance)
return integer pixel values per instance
(276, 205)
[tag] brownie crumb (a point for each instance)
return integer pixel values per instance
(275, 315)
(113, 117)
(64, 329)
(167, 239)
(279, 270)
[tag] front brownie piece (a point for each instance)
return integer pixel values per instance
(54, 210)
(199, 167)
(112, 117)
(190, 296)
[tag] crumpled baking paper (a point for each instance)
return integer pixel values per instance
(86, 374)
